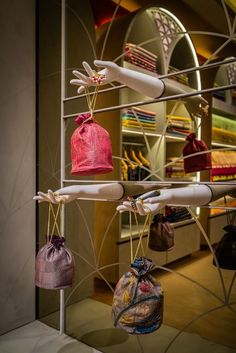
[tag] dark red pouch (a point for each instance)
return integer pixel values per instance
(198, 162)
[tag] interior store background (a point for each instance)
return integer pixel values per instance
(30, 148)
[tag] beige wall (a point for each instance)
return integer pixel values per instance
(17, 161)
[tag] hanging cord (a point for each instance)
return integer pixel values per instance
(97, 79)
(55, 216)
(142, 234)
(49, 220)
(91, 101)
(148, 237)
(230, 217)
(139, 234)
(131, 238)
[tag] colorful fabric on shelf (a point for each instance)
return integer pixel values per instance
(182, 78)
(176, 169)
(179, 125)
(141, 57)
(223, 129)
(135, 117)
(223, 165)
(176, 214)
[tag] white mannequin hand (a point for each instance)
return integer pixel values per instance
(110, 73)
(193, 195)
(142, 208)
(197, 105)
(53, 197)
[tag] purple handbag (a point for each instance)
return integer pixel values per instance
(54, 265)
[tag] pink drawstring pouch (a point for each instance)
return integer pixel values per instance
(91, 151)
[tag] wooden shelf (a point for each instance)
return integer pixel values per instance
(174, 138)
(132, 132)
(219, 144)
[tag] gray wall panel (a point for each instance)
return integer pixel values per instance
(17, 161)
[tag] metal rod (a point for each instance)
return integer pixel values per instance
(161, 183)
(63, 24)
(155, 100)
(198, 68)
(171, 74)
(133, 144)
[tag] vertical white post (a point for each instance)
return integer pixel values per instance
(63, 24)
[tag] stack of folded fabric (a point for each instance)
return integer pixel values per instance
(223, 165)
(176, 169)
(220, 202)
(182, 78)
(135, 117)
(179, 125)
(140, 57)
(223, 129)
(176, 214)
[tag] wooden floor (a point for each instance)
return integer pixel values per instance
(194, 298)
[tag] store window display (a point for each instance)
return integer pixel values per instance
(195, 195)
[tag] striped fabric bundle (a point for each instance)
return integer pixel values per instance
(182, 78)
(223, 165)
(223, 129)
(136, 117)
(179, 125)
(140, 57)
(176, 169)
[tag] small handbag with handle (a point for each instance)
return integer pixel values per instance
(161, 236)
(200, 161)
(225, 250)
(54, 265)
(138, 300)
(91, 151)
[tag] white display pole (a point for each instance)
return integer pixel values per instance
(63, 24)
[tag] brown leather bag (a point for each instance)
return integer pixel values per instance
(161, 237)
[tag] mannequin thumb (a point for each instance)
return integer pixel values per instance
(106, 64)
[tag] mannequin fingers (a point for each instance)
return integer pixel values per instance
(44, 196)
(78, 82)
(41, 197)
(140, 208)
(106, 64)
(80, 89)
(52, 197)
(153, 208)
(121, 208)
(88, 68)
(38, 198)
(82, 76)
(128, 206)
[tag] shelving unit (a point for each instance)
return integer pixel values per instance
(162, 39)
(222, 104)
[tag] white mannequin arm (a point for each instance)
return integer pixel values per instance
(192, 196)
(148, 85)
(109, 191)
